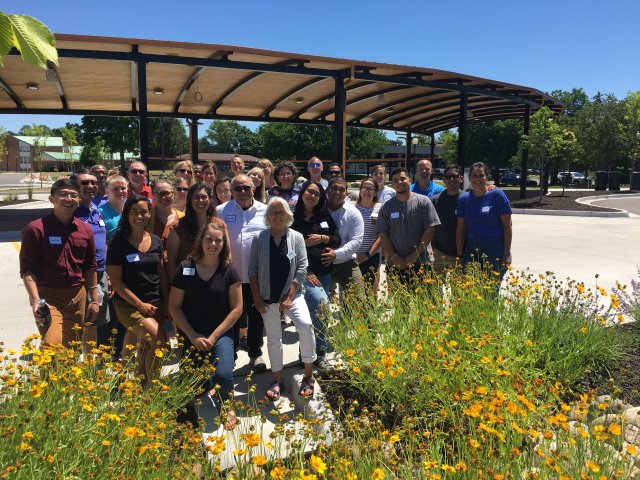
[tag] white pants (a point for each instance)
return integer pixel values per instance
(299, 314)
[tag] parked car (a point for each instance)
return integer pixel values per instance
(573, 178)
(513, 179)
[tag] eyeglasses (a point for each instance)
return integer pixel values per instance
(334, 172)
(285, 173)
(164, 194)
(313, 193)
(184, 170)
(242, 188)
(277, 214)
(315, 164)
(66, 194)
(137, 171)
(88, 182)
(338, 190)
(368, 189)
(451, 177)
(182, 189)
(201, 197)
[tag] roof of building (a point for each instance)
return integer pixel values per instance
(46, 141)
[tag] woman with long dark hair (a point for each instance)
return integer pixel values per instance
(199, 212)
(133, 265)
(312, 219)
(205, 302)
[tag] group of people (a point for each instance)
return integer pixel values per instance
(205, 254)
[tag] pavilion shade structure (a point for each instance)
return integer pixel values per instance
(99, 76)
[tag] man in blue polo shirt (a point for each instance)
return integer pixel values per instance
(423, 184)
(89, 214)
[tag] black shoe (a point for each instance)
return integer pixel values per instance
(243, 345)
(322, 365)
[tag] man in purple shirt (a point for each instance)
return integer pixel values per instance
(58, 265)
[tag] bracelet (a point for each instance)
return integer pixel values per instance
(95, 286)
(94, 301)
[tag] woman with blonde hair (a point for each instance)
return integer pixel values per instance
(267, 167)
(256, 174)
(184, 169)
(180, 189)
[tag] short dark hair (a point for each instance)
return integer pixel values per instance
(335, 164)
(399, 170)
(68, 182)
(335, 180)
(285, 164)
(453, 166)
(483, 166)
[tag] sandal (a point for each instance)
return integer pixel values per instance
(275, 390)
(307, 384)
(230, 420)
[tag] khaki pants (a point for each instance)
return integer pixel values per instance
(67, 315)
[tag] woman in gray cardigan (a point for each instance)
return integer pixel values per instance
(277, 270)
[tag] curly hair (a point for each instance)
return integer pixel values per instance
(189, 222)
(285, 164)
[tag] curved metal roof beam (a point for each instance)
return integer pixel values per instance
(240, 84)
(326, 98)
(193, 77)
(12, 95)
(397, 102)
(52, 76)
(452, 118)
(365, 97)
(290, 93)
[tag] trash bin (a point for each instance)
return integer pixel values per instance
(614, 180)
(634, 184)
(601, 180)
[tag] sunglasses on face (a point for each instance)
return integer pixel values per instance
(333, 172)
(164, 194)
(242, 188)
(182, 189)
(136, 171)
(316, 165)
(88, 182)
(184, 170)
(201, 197)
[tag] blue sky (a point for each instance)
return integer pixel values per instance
(544, 44)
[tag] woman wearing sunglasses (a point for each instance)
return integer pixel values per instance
(184, 169)
(180, 189)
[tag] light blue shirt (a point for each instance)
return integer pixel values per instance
(431, 190)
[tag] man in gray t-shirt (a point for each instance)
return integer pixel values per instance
(406, 224)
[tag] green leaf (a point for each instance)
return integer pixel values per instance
(34, 40)
(7, 38)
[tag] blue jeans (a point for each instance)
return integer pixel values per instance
(314, 296)
(221, 355)
(487, 254)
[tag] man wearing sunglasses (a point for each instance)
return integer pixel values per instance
(89, 214)
(314, 167)
(444, 239)
(244, 217)
(137, 181)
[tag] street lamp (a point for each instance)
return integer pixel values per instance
(414, 142)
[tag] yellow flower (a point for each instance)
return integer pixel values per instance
(27, 435)
(350, 352)
(240, 451)
(377, 474)
(584, 329)
(474, 443)
(394, 438)
(485, 360)
(593, 466)
(528, 342)
(24, 446)
(380, 374)
(356, 370)
(277, 472)
(615, 429)
(481, 390)
(87, 407)
(448, 468)
(50, 458)
(159, 353)
(134, 432)
(259, 460)
(106, 443)
(251, 439)
(461, 467)
(317, 465)
(631, 449)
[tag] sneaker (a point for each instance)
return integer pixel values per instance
(243, 345)
(257, 364)
(322, 365)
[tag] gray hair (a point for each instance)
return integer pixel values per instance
(287, 211)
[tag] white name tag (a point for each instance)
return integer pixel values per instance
(290, 255)
(486, 209)
(324, 225)
(395, 214)
(55, 240)
(101, 223)
(229, 218)
(133, 257)
(190, 272)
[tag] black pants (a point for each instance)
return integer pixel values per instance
(369, 268)
(251, 319)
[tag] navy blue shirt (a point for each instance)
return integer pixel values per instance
(280, 266)
(94, 219)
(482, 214)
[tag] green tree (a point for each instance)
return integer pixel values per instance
(3, 144)
(93, 153)
(365, 143)
(120, 134)
(176, 140)
(632, 127)
(44, 130)
(31, 37)
(574, 101)
(288, 141)
(69, 137)
(39, 134)
(230, 137)
(449, 140)
(494, 143)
